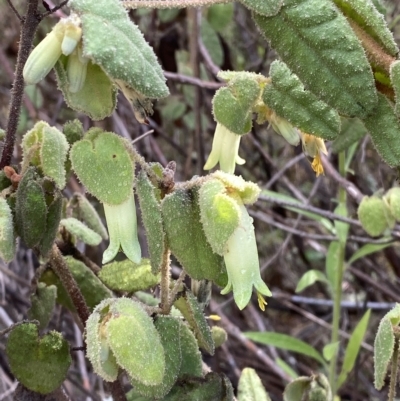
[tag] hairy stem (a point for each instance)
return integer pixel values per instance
(29, 26)
(164, 286)
(337, 293)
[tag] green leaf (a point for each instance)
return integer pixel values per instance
(30, 209)
(384, 345)
(364, 13)
(367, 250)
(314, 39)
(342, 228)
(42, 304)
(250, 387)
(384, 128)
(98, 96)
(309, 278)
(220, 16)
(40, 364)
(263, 7)
(7, 237)
(152, 220)
(287, 96)
(186, 237)
(211, 42)
(353, 347)
(286, 368)
(169, 330)
(113, 42)
(330, 350)
(191, 357)
(233, 104)
(81, 231)
(395, 80)
(284, 341)
(188, 305)
(352, 130)
(103, 164)
(128, 276)
(296, 390)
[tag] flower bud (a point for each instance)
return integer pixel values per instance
(76, 70)
(73, 34)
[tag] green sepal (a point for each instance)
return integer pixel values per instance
(97, 349)
(191, 365)
(384, 128)
(93, 290)
(46, 148)
(366, 15)
(314, 39)
(83, 210)
(374, 215)
(73, 131)
(313, 388)
(104, 166)
(43, 302)
(188, 305)
(186, 238)
(81, 231)
(267, 8)
(233, 105)
(40, 364)
(250, 387)
(127, 276)
(152, 220)
(169, 330)
(98, 96)
(384, 345)
(395, 80)
(143, 359)
(52, 223)
(30, 209)
(352, 130)
(214, 386)
(392, 199)
(114, 42)
(7, 236)
(287, 96)
(219, 214)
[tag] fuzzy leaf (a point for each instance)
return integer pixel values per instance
(384, 128)
(191, 365)
(81, 231)
(233, 104)
(263, 7)
(365, 14)
(152, 220)
(374, 215)
(250, 387)
(188, 305)
(7, 237)
(314, 39)
(113, 42)
(395, 80)
(42, 304)
(104, 166)
(40, 364)
(169, 330)
(288, 98)
(128, 276)
(352, 130)
(98, 96)
(186, 238)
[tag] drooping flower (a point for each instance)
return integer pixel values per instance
(225, 150)
(313, 147)
(122, 230)
(283, 128)
(64, 39)
(230, 232)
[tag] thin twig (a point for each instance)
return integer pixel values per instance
(185, 79)
(54, 9)
(15, 10)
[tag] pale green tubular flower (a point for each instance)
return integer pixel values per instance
(122, 230)
(225, 150)
(242, 264)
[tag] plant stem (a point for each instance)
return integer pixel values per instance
(393, 373)
(164, 285)
(29, 25)
(337, 293)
